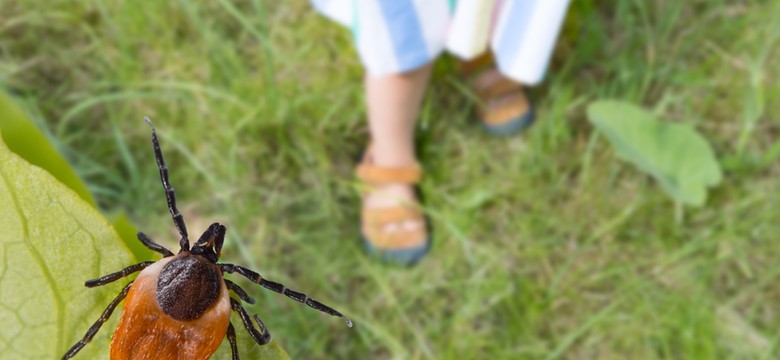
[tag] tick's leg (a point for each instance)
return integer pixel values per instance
(96, 326)
(153, 245)
(231, 336)
(275, 286)
(178, 219)
(239, 291)
(261, 337)
(118, 275)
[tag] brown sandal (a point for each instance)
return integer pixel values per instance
(402, 246)
(504, 107)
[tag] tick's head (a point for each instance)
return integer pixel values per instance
(210, 243)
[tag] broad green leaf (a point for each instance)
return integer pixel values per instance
(675, 154)
(26, 140)
(52, 241)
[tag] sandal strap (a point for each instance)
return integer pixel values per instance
(512, 106)
(383, 216)
(374, 221)
(378, 175)
(398, 240)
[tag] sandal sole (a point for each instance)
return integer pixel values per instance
(406, 257)
(513, 126)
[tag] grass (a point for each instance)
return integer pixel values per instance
(546, 245)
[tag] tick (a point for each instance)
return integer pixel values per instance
(179, 306)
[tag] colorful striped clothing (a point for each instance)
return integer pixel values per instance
(395, 36)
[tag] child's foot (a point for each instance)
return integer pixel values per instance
(505, 109)
(392, 223)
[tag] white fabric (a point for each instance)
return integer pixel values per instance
(395, 36)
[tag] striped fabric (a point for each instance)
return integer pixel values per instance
(395, 36)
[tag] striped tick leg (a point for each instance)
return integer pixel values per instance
(96, 326)
(231, 336)
(277, 287)
(261, 337)
(118, 275)
(149, 243)
(178, 219)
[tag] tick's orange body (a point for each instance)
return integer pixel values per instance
(146, 332)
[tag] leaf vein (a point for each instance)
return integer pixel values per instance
(60, 305)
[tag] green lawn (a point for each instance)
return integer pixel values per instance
(546, 246)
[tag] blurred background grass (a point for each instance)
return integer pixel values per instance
(546, 246)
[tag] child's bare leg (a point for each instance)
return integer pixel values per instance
(393, 107)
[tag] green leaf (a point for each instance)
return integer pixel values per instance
(52, 241)
(26, 140)
(674, 154)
